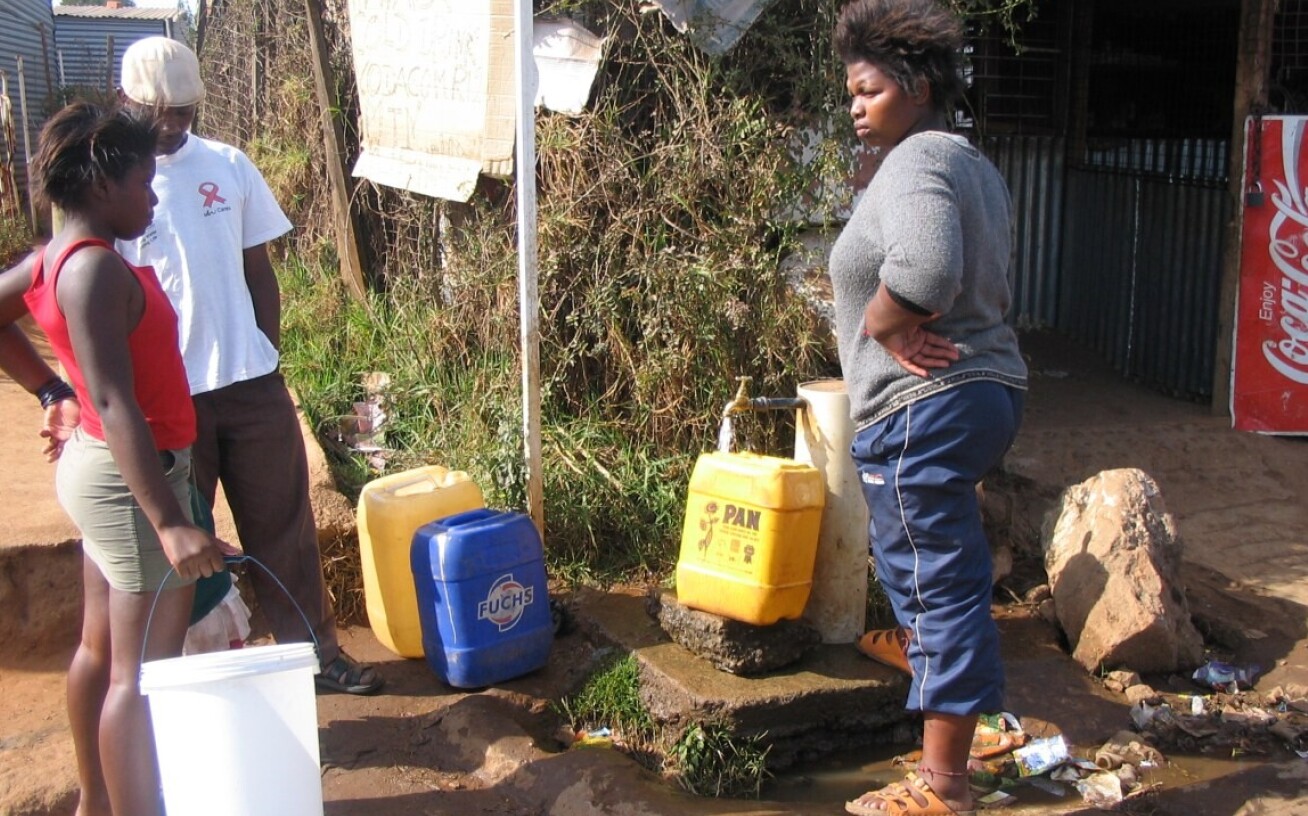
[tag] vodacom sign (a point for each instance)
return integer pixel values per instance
(1270, 387)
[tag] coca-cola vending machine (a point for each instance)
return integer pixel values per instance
(1269, 388)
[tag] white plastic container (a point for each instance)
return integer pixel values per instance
(237, 732)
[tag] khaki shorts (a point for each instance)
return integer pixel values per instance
(116, 535)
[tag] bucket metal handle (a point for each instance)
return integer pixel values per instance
(231, 560)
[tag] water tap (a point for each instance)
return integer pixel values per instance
(740, 402)
(743, 402)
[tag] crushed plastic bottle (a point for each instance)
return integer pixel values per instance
(1226, 677)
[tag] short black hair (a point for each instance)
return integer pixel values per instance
(84, 142)
(910, 40)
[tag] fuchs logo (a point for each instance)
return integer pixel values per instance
(505, 602)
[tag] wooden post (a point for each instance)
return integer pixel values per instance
(347, 240)
(45, 60)
(109, 66)
(27, 147)
(1252, 77)
(528, 294)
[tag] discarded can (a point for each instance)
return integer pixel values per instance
(1040, 756)
(1224, 676)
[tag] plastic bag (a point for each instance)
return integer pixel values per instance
(225, 627)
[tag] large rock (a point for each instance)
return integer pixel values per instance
(732, 646)
(1113, 556)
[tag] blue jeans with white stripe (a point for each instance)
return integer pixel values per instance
(919, 468)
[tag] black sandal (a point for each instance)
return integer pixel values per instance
(343, 674)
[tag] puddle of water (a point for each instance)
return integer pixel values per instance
(840, 779)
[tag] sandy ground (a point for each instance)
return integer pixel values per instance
(422, 748)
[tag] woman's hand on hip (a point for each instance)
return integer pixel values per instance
(919, 351)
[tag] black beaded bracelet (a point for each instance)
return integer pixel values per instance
(54, 391)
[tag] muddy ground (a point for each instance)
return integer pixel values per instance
(422, 748)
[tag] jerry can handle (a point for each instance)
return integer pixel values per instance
(427, 480)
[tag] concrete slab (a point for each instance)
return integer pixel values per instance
(831, 699)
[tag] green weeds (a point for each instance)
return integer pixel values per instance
(611, 698)
(709, 761)
(706, 759)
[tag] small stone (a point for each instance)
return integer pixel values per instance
(1120, 681)
(1141, 693)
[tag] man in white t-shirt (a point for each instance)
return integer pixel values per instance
(208, 246)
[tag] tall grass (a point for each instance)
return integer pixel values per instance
(664, 214)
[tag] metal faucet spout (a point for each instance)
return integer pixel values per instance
(740, 402)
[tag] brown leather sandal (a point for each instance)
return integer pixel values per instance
(901, 799)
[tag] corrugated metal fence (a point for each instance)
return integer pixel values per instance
(91, 48)
(26, 31)
(1124, 252)
(1033, 168)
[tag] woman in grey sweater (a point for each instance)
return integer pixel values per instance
(935, 378)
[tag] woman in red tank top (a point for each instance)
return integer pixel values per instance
(114, 332)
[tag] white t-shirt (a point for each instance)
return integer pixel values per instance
(213, 204)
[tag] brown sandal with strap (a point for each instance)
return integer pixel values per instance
(888, 647)
(912, 797)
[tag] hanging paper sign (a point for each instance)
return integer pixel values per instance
(436, 92)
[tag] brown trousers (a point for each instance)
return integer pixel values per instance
(249, 440)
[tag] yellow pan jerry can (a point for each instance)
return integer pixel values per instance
(391, 509)
(750, 537)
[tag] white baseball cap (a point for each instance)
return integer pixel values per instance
(161, 71)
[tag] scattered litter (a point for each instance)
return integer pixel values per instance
(996, 735)
(364, 430)
(1125, 748)
(1196, 705)
(595, 738)
(1226, 677)
(1103, 789)
(1074, 770)
(1040, 756)
(1049, 786)
(1143, 714)
(996, 799)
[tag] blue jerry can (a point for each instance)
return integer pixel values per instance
(483, 601)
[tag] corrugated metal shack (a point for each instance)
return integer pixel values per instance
(26, 35)
(91, 40)
(1112, 125)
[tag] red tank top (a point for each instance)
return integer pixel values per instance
(159, 377)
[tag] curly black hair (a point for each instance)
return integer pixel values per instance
(910, 40)
(84, 142)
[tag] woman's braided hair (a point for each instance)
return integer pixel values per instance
(909, 40)
(83, 143)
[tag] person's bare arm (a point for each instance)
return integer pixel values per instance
(900, 331)
(103, 302)
(27, 368)
(264, 293)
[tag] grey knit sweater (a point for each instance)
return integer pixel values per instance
(936, 225)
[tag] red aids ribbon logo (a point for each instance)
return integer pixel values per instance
(210, 192)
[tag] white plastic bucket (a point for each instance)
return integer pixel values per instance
(237, 732)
